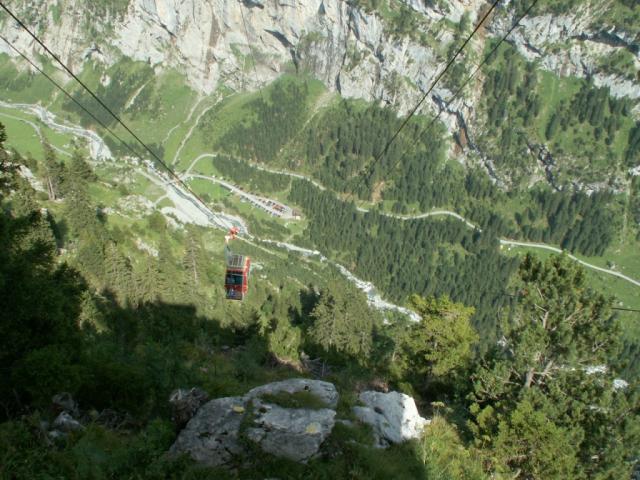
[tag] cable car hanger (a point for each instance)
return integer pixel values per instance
(236, 279)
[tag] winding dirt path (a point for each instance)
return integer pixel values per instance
(440, 212)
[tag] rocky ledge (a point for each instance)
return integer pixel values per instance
(289, 419)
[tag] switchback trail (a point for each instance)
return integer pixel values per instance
(441, 212)
(189, 207)
(504, 241)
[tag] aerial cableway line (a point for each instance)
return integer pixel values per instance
(235, 292)
(103, 105)
(71, 97)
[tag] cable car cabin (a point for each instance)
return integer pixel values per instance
(236, 280)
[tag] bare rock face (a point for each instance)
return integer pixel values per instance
(568, 45)
(186, 403)
(212, 436)
(222, 429)
(393, 417)
(293, 433)
(66, 423)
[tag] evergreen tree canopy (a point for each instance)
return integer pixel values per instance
(544, 400)
(343, 321)
(442, 342)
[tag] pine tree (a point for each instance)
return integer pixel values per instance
(283, 339)
(80, 169)
(194, 256)
(53, 172)
(169, 284)
(441, 344)
(552, 360)
(343, 321)
(147, 281)
(118, 275)
(552, 127)
(6, 169)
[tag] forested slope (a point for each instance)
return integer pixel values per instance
(109, 295)
(86, 312)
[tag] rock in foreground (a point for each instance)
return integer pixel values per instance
(324, 391)
(221, 429)
(289, 419)
(212, 436)
(293, 433)
(393, 417)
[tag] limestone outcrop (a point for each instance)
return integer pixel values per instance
(289, 419)
(392, 416)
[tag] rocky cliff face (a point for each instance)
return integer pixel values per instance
(568, 45)
(246, 44)
(349, 49)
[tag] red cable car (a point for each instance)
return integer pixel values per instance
(236, 279)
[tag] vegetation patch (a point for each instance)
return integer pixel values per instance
(301, 399)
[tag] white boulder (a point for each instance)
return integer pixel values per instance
(393, 416)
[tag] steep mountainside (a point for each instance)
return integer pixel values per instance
(385, 51)
(551, 117)
(421, 266)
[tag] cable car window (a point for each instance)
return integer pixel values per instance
(233, 279)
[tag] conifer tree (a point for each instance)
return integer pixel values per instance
(441, 344)
(547, 386)
(118, 275)
(147, 281)
(194, 256)
(5, 168)
(169, 277)
(343, 321)
(53, 172)
(80, 169)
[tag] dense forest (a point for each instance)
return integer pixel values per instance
(577, 222)
(576, 121)
(428, 257)
(274, 118)
(241, 173)
(343, 149)
(118, 331)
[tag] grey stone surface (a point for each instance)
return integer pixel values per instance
(222, 429)
(393, 417)
(293, 433)
(212, 436)
(66, 423)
